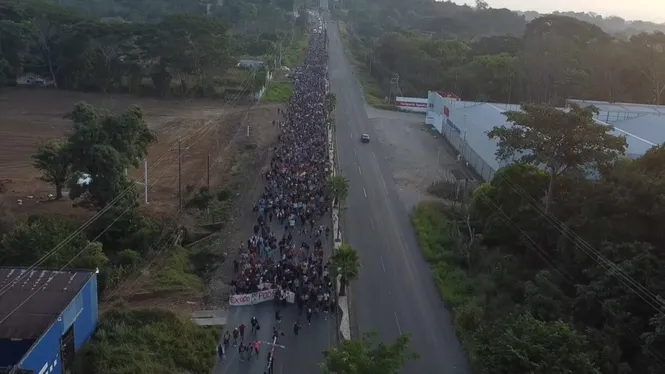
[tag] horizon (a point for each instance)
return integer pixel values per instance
(637, 10)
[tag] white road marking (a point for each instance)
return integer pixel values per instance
(354, 151)
(364, 192)
(384, 270)
(372, 222)
(351, 135)
(385, 187)
(398, 326)
(349, 123)
(360, 171)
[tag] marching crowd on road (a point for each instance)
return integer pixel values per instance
(285, 251)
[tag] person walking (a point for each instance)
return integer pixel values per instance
(254, 322)
(278, 317)
(241, 329)
(296, 328)
(257, 346)
(236, 333)
(221, 352)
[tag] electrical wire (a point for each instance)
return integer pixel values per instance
(531, 244)
(108, 206)
(175, 217)
(636, 287)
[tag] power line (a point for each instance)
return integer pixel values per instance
(174, 218)
(110, 204)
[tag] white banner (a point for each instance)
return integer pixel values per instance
(411, 104)
(259, 297)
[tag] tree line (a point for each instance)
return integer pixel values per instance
(489, 54)
(557, 264)
(184, 53)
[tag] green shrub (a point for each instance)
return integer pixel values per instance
(147, 341)
(177, 273)
(129, 258)
(278, 92)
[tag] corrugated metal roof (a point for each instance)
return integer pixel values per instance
(53, 290)
(479, 118)
(606, 106)
(650, 127)
(475, 121)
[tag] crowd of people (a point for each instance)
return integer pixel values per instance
(285, 251)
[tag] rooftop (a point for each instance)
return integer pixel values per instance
(606, 106)
(30, 315)
(641, 132)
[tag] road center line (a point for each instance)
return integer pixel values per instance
(398, 326)
(360, 171)
(384, 270)
(385, 187)
(364, 192)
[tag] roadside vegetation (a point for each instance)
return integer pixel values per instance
(279, 92)
(549, 270)
(496, 55)
(364, 356)
(148, 341)
(372, 91)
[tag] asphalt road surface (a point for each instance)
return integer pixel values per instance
(301, 354)
(395, 292)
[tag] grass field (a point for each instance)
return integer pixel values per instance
(278, 92)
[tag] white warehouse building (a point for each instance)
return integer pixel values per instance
(465, 125)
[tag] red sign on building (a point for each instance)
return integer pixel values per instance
(446, 111)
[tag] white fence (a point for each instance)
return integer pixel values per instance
(467, 154)
(411, 104)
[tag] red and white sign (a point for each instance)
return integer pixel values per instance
(259, 297)
(411, 104)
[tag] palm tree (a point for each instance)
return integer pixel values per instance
(345, 262)
(331, 102)
(338, 187)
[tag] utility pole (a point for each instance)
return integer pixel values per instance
(179, 177)
(394, 87)
(145, 179)
(208, 170)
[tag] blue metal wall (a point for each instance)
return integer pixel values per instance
(11, 351)
(82, 312)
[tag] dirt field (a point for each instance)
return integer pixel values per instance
(205, 127)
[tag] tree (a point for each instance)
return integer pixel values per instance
(331, 103)
(338, 188)
(482, 5)
(559, 141)
(29, 241)
(527, 345)
(365, 357)
(345, 263)
(53, 159)
(105, 145)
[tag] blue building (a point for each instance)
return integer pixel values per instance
(45, 317)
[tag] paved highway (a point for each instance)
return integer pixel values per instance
(395, 293)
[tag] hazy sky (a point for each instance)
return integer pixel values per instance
(647, 10)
